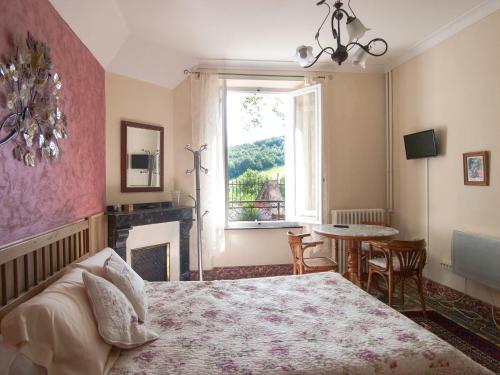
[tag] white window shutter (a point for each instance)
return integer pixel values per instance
(304, 179)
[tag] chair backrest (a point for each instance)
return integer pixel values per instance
(295, 242)
(411, 254)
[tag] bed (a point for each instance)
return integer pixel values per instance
(311, 324)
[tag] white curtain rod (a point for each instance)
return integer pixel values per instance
(188, 72)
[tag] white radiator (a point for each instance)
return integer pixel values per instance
(355, 216)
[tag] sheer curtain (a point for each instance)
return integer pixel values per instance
(207, 93)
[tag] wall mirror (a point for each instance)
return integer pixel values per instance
(141, 157)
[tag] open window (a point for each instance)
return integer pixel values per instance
(273, 155)
(303, 157)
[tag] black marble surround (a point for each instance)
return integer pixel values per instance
(120, 223)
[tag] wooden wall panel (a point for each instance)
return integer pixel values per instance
(29, 266)
(98, 232)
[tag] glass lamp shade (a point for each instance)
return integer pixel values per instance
(304, 55)
(359, 58)
(355, 29)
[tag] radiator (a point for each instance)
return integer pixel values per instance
(355, 216)
(477, 258)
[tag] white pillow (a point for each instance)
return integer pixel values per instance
(117, 322)
(129, 282)
(57, 330)
(95, 263)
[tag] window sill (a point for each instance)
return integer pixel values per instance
(242, 225)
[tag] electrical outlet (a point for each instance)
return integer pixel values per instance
(446, 266)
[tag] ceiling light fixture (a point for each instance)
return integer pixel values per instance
(355, 30)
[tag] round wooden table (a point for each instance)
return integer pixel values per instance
(354, 235)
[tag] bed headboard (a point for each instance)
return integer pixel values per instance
(30, 265)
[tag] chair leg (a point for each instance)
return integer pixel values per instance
(402, 291)
(370, 275)
(390, 289)
(420, 286)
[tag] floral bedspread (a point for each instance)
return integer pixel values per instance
(311, 324)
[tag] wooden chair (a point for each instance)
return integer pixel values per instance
(366, 248)
(303, 264)
(402, 260)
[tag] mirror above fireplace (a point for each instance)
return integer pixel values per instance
(141, 157)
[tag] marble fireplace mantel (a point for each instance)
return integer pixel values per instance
(120, 223)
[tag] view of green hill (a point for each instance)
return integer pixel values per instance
(258, 156)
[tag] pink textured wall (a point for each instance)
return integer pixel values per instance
(33, 200)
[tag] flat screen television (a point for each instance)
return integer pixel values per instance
(139, 161)
(421, 144)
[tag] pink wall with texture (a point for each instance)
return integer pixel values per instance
(33, 200)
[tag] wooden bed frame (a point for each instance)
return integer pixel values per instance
(28, 266)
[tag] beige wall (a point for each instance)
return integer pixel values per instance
(133, 100)
(355, 153)
(354, 132)
(455, 88)
(183, 136)
(356, 159)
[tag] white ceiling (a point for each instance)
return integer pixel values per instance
(155, 40)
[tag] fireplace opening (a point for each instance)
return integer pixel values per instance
(152, 263)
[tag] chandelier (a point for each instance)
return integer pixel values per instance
(355, 30)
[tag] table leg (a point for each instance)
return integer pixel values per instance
(353, 262)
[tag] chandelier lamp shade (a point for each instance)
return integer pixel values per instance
(340, 52)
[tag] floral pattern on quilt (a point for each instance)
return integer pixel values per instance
(311, 324)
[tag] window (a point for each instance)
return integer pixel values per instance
(273, 148)
(304, 167)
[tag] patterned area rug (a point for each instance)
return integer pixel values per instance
(474, 346)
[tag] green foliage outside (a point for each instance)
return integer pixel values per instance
(249, 214)
(258, 156)
(252, 107)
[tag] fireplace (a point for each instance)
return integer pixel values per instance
(137, 230)
(152, 263)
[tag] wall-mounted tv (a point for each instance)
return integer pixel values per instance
(139, 161)
(421, 144)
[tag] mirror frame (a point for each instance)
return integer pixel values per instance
(123, 157)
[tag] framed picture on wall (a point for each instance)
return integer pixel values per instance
(476, 168)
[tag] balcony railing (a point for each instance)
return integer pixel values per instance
(254, 199)
(256, 210)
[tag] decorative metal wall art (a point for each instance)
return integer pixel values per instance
(35, 122)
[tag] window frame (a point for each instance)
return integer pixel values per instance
(290, 162)
(236, 225)
(294, 221)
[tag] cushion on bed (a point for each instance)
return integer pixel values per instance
(95, 263)
(56, 329)
(117, 320)
(129, 282)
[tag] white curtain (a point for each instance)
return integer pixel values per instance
(207, 94)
